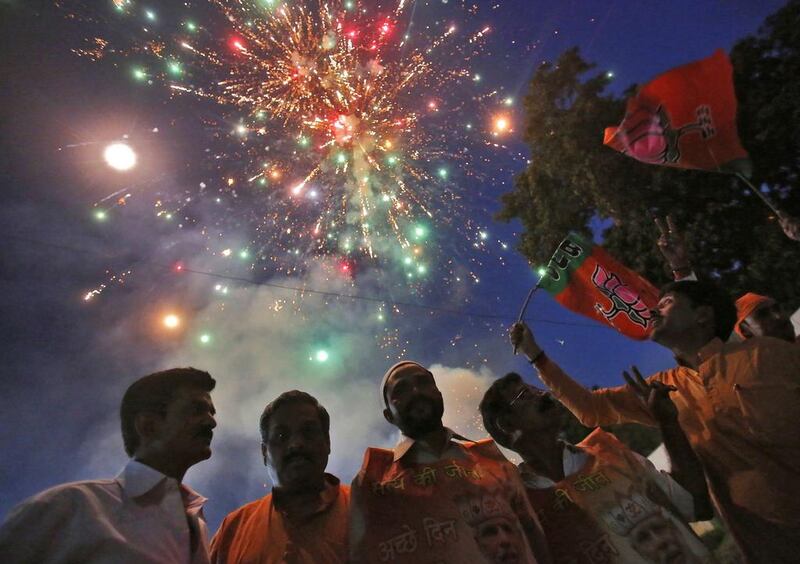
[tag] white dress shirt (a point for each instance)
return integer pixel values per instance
(141, 516)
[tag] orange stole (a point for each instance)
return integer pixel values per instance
(611, 511)
(443, 512)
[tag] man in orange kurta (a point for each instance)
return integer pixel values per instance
(739, 404)
(305, 518)
(437, 497)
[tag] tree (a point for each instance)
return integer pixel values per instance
(572, 178)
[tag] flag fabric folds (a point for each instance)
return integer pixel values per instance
(685, 118)
(583, 277)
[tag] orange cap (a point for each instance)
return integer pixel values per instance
(746, 305)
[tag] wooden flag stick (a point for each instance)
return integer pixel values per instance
(759, 193)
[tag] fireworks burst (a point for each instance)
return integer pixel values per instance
(341, 132)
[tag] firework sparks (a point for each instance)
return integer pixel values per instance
(341, 127)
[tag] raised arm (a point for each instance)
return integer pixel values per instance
(593, 408)
(686, 468)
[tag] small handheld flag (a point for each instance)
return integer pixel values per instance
(583, 277)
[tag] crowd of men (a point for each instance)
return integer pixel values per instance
(727, 413)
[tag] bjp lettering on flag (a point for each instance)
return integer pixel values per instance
(583, 277)
(685, 118)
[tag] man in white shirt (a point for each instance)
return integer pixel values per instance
(145, 514)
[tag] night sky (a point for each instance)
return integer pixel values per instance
(66, 361)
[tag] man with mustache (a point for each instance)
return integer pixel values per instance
(599, 497)
(437, 496)
(304, 519)
(146, 515)
(737, 403)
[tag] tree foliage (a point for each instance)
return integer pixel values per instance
(573, 179)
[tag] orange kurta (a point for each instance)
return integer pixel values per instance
(260, 533)
(741, 413)
(612, 511)
(472, 509)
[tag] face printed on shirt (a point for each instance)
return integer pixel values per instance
(415, 404)
(297, 446)
(500, 541)
(185, 430)
(657, 540)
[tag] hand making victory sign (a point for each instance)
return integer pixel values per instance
(672, 245)
(654, 395)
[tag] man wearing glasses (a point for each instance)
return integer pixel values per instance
(599, 498)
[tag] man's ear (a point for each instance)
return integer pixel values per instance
(147, 425)
(705, 316)
(264, 455)
(387, 414)
(746, 330)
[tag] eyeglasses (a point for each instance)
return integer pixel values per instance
(522, 393)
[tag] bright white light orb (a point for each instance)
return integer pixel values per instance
(120, 156)
(172, 321)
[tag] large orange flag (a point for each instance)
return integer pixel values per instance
(685, 118)
(583, 277)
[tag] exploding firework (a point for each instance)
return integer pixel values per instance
(342, 133)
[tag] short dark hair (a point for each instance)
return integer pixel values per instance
(155, 392)
(495, 404)
(293, 396)
(703, 293)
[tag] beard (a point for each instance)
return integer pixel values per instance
(422, 415)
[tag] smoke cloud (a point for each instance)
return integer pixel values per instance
(266, 341)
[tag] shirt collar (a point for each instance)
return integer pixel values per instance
(573, 459)
(405, 443)
(711, 348)
(137, 479)
(714, 346)
(192, 499)
(326, 498)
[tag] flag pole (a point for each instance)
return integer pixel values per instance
(757, 192)
(525, 304)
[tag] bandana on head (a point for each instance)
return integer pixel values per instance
(392, 370)
(745, 306)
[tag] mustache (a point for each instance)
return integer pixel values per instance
(297, 454)
(422, 400)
